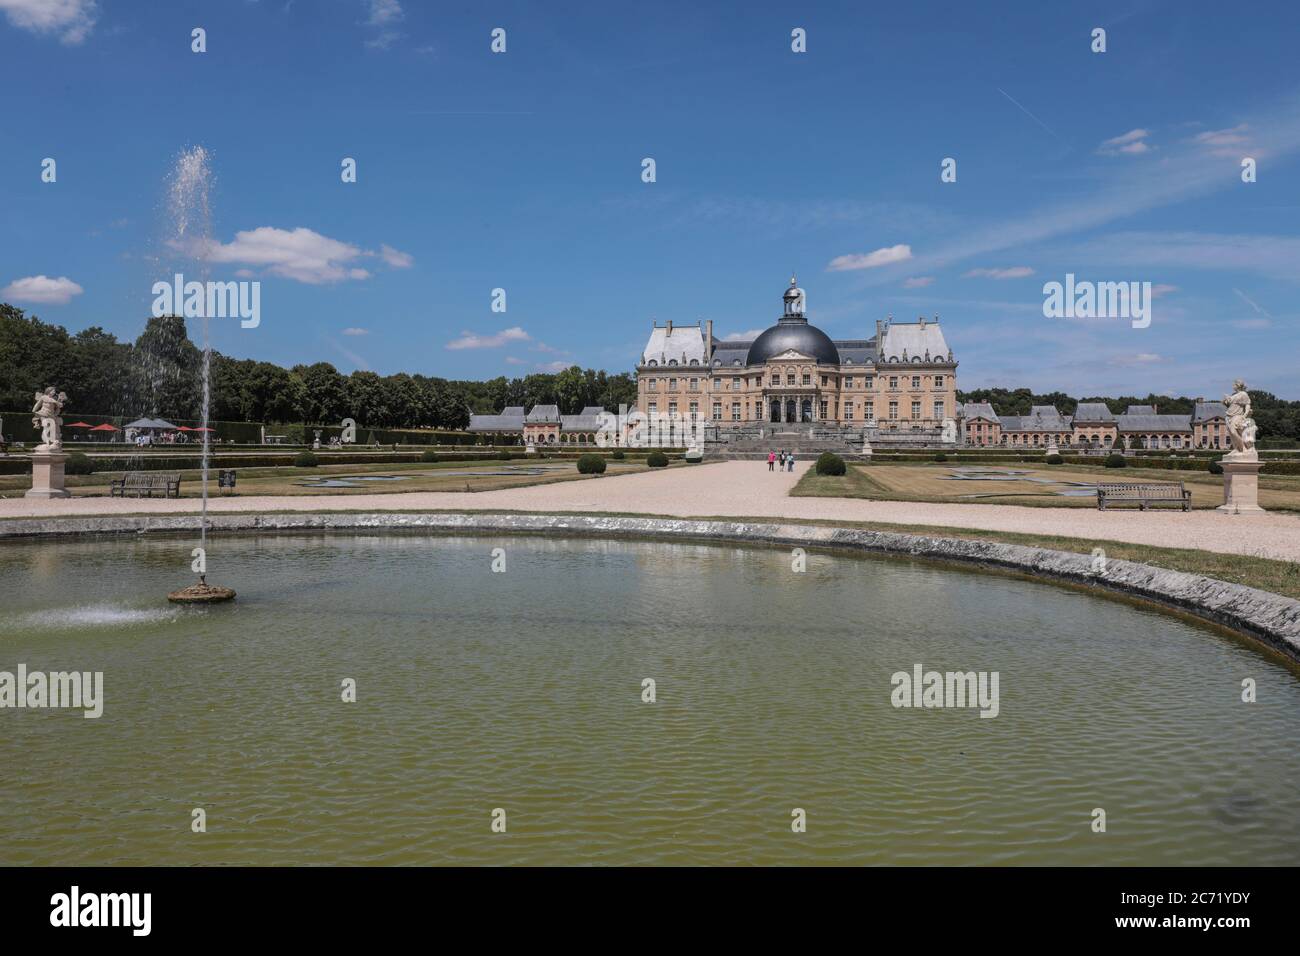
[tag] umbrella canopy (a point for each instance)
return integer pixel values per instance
(80, 425)
(150, 423)
(205, 429)
(104, 428)
(159, 423)
(186, 428)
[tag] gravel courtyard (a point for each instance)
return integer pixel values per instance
(743, 489)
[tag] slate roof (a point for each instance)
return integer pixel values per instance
(587, 420)
(1153, 423)
(1206, 411)
(911, 341)
(1042, 418)
(510, 420)
(1093, 412)
(543, 414)
(1140, 410)
(680, 344)
(981, 410)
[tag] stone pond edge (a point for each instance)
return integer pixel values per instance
(1267, 617)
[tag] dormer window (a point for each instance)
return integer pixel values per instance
(652, 362)
(717, 362)
(672, 361)
(695, 361)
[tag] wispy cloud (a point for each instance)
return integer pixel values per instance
(918, 282)
(354, 330)
(1224, 142)
(1131, 143)
(384, 17)
(1011, 272)
(300, 254)
(396, 259)
(870, 260)
(71, 20)
(470, 340)
(41, 290)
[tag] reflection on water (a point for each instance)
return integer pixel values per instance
(522, 690)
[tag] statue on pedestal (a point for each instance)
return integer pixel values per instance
(45, 415)
(1241, 427)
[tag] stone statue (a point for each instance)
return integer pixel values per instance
(1241, 427)
(46, 414)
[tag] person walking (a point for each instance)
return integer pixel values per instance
(789, 462)
(771, 460)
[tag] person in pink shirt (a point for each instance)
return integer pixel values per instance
(771, 461)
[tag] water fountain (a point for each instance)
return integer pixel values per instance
(188, 203)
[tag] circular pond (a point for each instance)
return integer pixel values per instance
(523, 690)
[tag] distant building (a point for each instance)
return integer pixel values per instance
(982, 426)
(544, 425)
(902, 378)
(1043, 426)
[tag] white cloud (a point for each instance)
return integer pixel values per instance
(354, 330)
(468, 340)
(511, 360)
(300, 254)
(1130, 143)
(1158, 290)
(747, 335)
(918, 282)
(71, 19)
(1139, 358)
(384, 15)
(885, 256)
(383, 12)
(1014, 272)
(1224, 142)
(398, 260)
(552, 367)
(42, 289)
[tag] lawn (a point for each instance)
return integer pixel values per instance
(934, 482)
(491, 475)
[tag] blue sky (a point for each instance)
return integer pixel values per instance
(522, 171)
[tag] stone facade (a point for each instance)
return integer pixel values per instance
(902, 379)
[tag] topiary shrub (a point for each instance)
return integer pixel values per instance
(1054, 459)
(617, 454)
(429, 456)
(79, 463)
(657, 459)
(591, 465)
(1115, 460)
(1215, 467)
(829, 463)
(941, 457)
(305, 459)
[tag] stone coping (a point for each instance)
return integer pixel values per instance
(1267, 617)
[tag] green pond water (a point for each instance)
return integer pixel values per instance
(522, 691)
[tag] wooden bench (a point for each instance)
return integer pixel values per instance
(1144, 493)
(142, 484)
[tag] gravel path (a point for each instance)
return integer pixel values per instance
(748, 490)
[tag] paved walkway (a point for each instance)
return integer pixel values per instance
(748, 490)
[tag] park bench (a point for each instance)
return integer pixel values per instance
(143, 484)
(1144, 494)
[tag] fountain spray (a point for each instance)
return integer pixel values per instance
(189, 205)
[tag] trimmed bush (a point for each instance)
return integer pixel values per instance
(617, 454)
(1215, 467)
(1054, 459)
(305, 459)
(78, 463)
(941, 457)
(829, 463)
(1115, 460)
(591, 465)
(429, 456)
(657, 459)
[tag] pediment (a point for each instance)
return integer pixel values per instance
(792, 355)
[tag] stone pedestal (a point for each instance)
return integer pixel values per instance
(1240, 487)
(47, 475)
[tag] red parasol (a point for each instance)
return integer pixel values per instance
(104, 428)
(80, 425)
(186, 428)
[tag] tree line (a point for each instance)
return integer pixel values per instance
(159, 375)
(1276, 417)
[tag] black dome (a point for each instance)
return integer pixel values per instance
(796, 334)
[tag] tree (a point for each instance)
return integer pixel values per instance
(167, 369)
(324, 391)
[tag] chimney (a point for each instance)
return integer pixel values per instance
(922, 318)
(708, 341)
(879, 324)
(670, 326)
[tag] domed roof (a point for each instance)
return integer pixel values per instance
(793, 333)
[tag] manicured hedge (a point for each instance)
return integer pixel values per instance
(591, 465)
(829, 463)
(78, 464)
(657, 459)
(1115, 461)
(305, 459)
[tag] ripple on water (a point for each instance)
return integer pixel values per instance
(87, 616)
